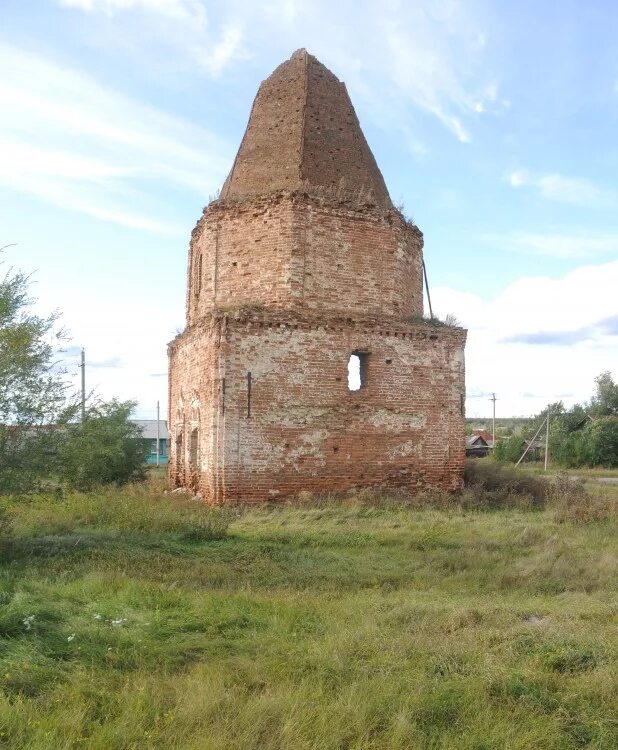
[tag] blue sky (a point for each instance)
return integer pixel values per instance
(494, 124)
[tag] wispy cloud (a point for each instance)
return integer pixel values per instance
(581, 244)
(187, 28)
(605, 327)
(106, 363)
(184, 10)
(577, 191)
(429, 55)
(71, 141)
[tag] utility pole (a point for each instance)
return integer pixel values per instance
(547, 439)
(531, 443)
(158, 435)
(83, 366)
(493, 426)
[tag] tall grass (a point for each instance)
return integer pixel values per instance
(349, 624)
(137, 508)
(572, 501)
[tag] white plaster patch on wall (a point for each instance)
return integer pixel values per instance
(409, 448)
(296, 416)
(395, 420)
(311, 444)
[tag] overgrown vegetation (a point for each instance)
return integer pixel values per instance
(42, 442)
(105, 449)
(584, 435)
(449, 321)
(490, 486)
(571, 500)
(363, 623)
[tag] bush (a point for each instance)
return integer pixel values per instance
(601, 439)
(105, 449)
(571, 501)
(509, 450)
(491, 486)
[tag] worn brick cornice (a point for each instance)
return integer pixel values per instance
(337, 201)
(218, 320)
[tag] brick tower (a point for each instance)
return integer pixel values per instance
(301, 267)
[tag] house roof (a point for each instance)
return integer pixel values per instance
(487, 436)
(149, 428)
(472, 440)
(477, 441)
(303, 132)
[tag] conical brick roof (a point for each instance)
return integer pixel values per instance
(303, 132)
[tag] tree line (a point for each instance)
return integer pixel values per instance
(582, 435)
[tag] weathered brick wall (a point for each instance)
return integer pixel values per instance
(298, 427)
(194, 403)
(297, 251)
(302, 261)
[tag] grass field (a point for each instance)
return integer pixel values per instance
(537, 467)
(129, 620)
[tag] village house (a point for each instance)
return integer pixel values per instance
(149, 435)
(479, 444)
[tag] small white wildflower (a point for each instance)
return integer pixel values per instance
(28, 621)
(71, 637)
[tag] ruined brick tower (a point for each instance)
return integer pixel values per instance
(300, 266)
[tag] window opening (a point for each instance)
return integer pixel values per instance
(179, 450)
(357, 370)
(193, 447)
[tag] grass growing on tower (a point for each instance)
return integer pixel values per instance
(348, 624)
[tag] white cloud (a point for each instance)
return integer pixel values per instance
(540, 336)
(574, 190)
(77, 144)
(216, 58)
(432, 53)
(181, 25)
(581, 244)
(429, 55)
(184, 10)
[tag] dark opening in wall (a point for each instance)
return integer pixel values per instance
(179, 452)
(193, 448)
(358, 366)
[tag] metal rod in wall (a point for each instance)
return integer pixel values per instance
(427, 289)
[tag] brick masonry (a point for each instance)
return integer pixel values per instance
(301, 262)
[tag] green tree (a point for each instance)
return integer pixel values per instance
(33, 388)
(600, 441)
(510, 449)
(105, 449)
(604, 403)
